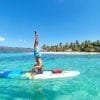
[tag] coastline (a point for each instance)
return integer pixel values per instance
(78, 53)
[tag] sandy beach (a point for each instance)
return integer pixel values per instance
(83, 53)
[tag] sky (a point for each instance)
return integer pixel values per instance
(55, 20)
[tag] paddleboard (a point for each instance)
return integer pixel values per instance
(44, 75)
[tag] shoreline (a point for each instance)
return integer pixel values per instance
(62, 53)
(83, 53)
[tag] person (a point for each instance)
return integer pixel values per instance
(37, 69)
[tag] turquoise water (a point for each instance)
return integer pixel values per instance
(84, 87)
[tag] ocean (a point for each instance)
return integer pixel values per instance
(86, 86)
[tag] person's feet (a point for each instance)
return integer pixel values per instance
(36, 34)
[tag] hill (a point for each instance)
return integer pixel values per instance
(15, 49)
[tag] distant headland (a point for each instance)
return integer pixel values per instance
(6, 49)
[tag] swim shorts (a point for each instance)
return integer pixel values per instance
(37, 54)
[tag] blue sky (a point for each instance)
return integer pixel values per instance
(55, 20)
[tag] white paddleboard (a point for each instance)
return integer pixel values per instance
(50, 75)
(44, 75)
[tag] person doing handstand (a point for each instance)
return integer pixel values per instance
(37, 69)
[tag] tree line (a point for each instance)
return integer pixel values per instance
(85, 46)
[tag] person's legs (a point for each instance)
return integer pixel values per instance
(36, 49)
(36, 40)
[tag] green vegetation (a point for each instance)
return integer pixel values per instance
(86, 46)
(14, 49)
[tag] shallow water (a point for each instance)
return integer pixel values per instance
(86, 86)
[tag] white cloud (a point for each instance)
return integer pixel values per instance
(22, 41)
(2, 38)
